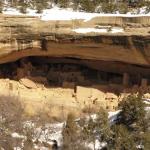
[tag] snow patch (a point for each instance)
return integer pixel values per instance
(113, 115)
(52, 132)
(98, 145)
(101, 30)
(16, 135)
(17, 148)
(88, 30)
(117, 30)
(147, 102)
(11, 11)
(147, 108)
(57, 13)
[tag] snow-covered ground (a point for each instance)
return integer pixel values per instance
(53, 131)
(146, 100)
(113, 115)
(57, 13)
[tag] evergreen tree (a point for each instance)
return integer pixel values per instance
(97, 128)
(71, 135)
(76, 4)
(146, 140)
(13, 3)
(63, 3)
(133, 113)
(109, 7)
(147, 6)
(1, 7)
(88, 132)
(40, 5)
(122, 7)
(103, 126)
(122, 139)
(87, 5)
(22, 6)
(133, 116)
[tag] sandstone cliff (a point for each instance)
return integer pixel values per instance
(22, 36)
(115, 56)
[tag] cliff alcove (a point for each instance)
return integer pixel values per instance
(66, 82)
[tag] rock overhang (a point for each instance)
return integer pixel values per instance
(25, 36)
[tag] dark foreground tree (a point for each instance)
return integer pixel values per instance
(133, 117)
(146, 140)
(1, 7)
(63, 3)
(122, 139)
(96, 128)
(133, 113)
(87, 5)
(40, 5)
(71, 135)
(10, 120)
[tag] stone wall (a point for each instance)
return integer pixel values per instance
(95, 98)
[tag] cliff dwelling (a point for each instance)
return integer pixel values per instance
(54, 66)
(70, 82)
(74, 75)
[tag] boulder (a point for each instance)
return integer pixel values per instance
(28, 83)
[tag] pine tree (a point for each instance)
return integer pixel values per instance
(122, 139)
(133, 112)
(71, 135)
(87, 5)
(40, 5)
(13, 3)
(146, 141)
(109, 7)
(103, 126)
(147, 6)
(63, 3)
(88, 133)
(23, 5)
(122, 7)
(1, 7)
(96, 128)
(76, 4)
(133, 116)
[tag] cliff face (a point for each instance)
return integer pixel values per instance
(27, 36)
(81, 65)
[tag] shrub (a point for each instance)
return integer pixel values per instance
(123, 8)
(122, 139)
(133, 111)
(109, 7)
(10, 120)
(87, 5)
(71, 135)
(63, 3)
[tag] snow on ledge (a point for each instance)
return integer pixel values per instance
(57, 13)
(117, 30)
(88, 30)
(95, 30)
